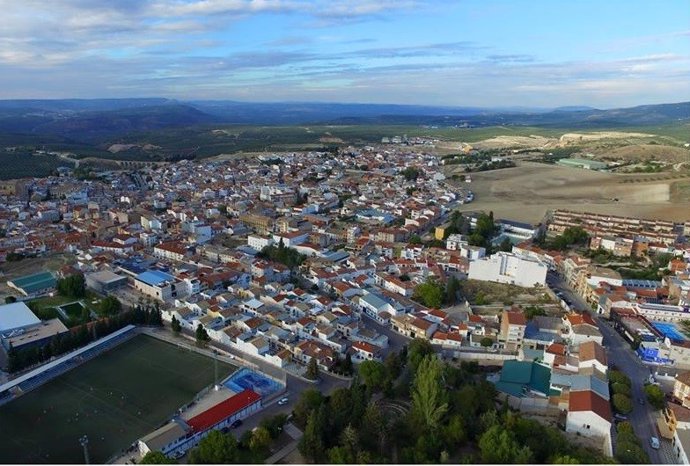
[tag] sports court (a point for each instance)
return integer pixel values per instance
(114, 399)
(247, 379)
(669, 329)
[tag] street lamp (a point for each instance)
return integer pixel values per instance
(84, 442)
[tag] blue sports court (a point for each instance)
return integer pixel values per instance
(670, 330)
(247, 379)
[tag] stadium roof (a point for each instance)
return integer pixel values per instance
(223, 410)
(16, 315)
(154, 277)
(36, 282)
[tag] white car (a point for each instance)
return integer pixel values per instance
(283, 401)
(654, 442)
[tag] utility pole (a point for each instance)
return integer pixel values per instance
(84, 442)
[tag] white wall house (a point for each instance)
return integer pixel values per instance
(258, 242)
(505, 267)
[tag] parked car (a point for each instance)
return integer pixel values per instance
(236, 423)
(283, 401)
(654, 442)
(620, 416)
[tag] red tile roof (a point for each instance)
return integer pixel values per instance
(223, 410)
(589, 401)
(556, 348)
(515, 318)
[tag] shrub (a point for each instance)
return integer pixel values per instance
(622, 403)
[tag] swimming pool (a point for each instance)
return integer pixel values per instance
(670, 330)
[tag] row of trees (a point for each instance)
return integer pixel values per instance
(484, 232)
(628, 447)
(429, 412)
(18, 359)
(571, 236)
(286, 256)
(620, 385)
(73, 286)
(434, 294)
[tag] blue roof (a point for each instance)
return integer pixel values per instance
(635, 283)
(154, 277)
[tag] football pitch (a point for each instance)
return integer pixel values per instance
(114, 399)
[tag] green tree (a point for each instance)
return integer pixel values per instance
(310, 400)
(73, 286)
(415, 239)
(340, 455)
(373, 374)
(452, 288)
(201, 335)
(565, 459)
(616, 376)
(418, 349)
(109, 306)
(506, 245)
(453, 431)
(622, 403)
(340, 409)
(621, 388)
(215, 448)
(260, 441)
(631, 453)
(429, 294)
(410, 173)
(533, 311)
(655, 396)
(429, 401)
(156, 457)
(311, 445)
(10, 300)
(312, 369)
(175, 325)
(486, 342)
(347, 364)
(274, 424)
(498, 445)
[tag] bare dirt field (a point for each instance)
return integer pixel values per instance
(525, 192)
(650, 152)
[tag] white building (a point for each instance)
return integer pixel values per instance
(505, 267)
(454, 242)
(590, 416)
(257, 242)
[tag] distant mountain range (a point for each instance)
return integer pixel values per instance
(99, 119)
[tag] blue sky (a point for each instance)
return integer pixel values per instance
(545, 53)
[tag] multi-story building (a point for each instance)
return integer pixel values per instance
(513, 325)
(505, 267)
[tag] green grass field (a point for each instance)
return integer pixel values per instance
(114, 399)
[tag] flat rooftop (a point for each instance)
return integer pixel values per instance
(154, 277)
(15, 316)
(46, 329)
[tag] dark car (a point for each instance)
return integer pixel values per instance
(236, 424)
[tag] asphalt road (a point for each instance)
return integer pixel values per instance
(395, 340)
(619, 353)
